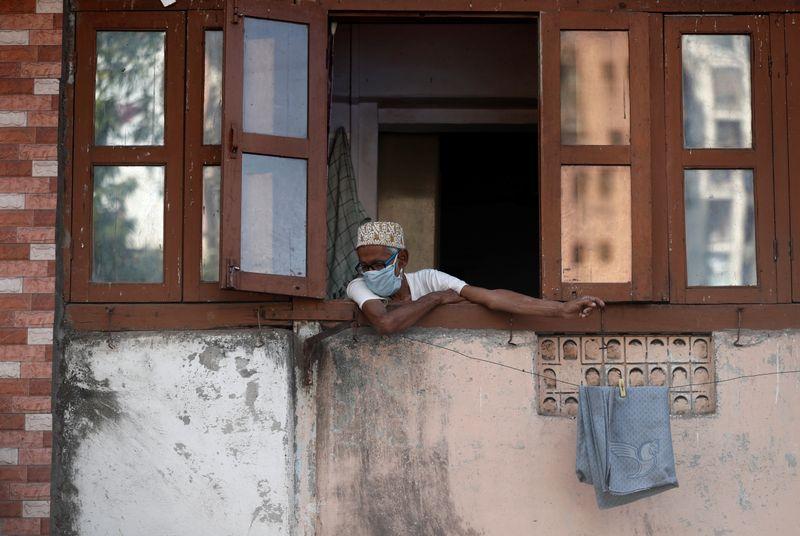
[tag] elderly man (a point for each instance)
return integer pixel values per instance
(383, 257)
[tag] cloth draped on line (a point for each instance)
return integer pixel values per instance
(624, 445)
(345, 214)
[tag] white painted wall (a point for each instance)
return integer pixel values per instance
(178, 433)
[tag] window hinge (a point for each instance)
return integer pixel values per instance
(237, 14)
(234, 146)
(775, 250)
(231, 273)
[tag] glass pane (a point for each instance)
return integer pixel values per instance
(129, 88)
(595, 97)
(275, 98)
(273, 239)
(209, 270)
(128, 224)
(596, 224)
(716, 91)
(212, 89)
(720, 227)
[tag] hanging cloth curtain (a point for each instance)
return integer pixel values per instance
(345, 214)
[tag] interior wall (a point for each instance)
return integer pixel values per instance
(413, 439)
(411, 69)
(408, 184)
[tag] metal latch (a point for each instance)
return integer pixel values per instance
(231, 274)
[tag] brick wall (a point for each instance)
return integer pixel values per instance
(30, 66)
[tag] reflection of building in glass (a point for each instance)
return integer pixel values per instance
(595, 200)
(716, 91)
(595, 104)
(720, 224)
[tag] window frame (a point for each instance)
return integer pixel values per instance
(86, 155)
(792, 189)
(196, 156)
(637, 155)
(759, 158)
(313, 149)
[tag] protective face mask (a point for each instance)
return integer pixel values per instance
(384, 282)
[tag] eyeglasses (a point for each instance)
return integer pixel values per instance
(378, 265)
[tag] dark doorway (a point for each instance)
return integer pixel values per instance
(489, 209)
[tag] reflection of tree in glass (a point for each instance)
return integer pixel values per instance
(129, 88)
(115, 257)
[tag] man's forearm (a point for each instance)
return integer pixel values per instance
(516, 303)
(400, 317)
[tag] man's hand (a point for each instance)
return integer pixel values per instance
(581, 307)
(447, 296)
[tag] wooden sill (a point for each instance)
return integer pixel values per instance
(618, 318)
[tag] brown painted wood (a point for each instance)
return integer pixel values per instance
(658, 177)
(86, 155)
(313, 149)
(197, 155)
(145, 5)
(759, 158)
(793, 132)
(780, 152)
(553, 155)
(620, 318)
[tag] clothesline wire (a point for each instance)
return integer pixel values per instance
(532, 373)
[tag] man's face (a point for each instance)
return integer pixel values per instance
(369, 255)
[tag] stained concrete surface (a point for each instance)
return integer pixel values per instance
(415, 440)
(176, 433)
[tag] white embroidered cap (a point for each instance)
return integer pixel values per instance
(381, 233)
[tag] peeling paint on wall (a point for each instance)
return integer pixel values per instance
(178, 433)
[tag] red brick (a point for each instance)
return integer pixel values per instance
(16, 217)
(40, 69)
(14, 167)
(31, 404)
(16, 86)
(45, 527)
(40, 302)
(58, 20)
(35, 456)
(16, 302)
(9, 152)
(47, 439)
(5, 491)
(12, 421)
(25, 102)
(20, 439)
(21, 352)
(14, 335)
(43, 119)
(40, 387)
(48, 353)
(46, 135)
(44, 218)
(51, 268)
(36, 369)
(18, 6)
(41, 201)
(32, 318)
(49, 53)
(17, 135)
(21, 526)
(45, 235)
(13, 387)
(11, 509)
(23, 268)
(9, 70)
(7, 319)
(5, 407)
(38, 152)
(39, 473)
(41, 21)
(44, 37)
(14, 473)
(24, 184)
(17, 52)
(39, 284)
(14, 251)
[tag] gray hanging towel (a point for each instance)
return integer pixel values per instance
(345, 214)
(624, 445)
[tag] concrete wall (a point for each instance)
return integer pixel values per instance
(176, 433)
(415, 440)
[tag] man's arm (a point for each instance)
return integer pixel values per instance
(401, 317)
(514, 302)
